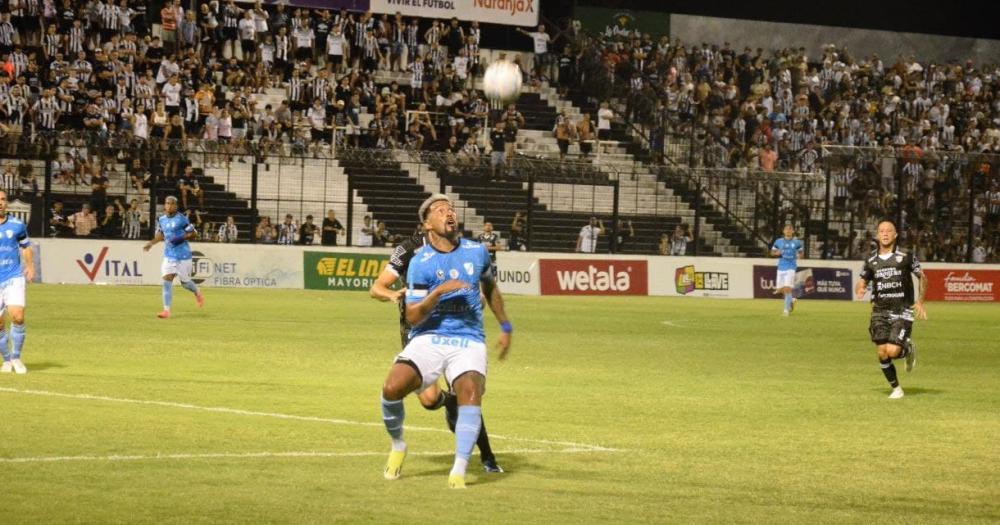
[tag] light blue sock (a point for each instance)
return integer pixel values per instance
(3, 345)
(190, 286)
(17, 336)
(168, 294)
(392, 415)
(788, 302)
(470, 419)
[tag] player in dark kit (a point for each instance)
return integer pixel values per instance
(890, 273)
(432, 398)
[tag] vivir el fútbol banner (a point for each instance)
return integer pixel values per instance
(508, 12)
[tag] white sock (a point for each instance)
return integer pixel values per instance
(398, 445)
(459, 468)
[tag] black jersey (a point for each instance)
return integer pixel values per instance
(399, 262)
(891, 279)
(489, 240)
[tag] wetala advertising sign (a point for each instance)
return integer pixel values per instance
(810, 283)
(593, 277)
(963, 285)
(342, 271)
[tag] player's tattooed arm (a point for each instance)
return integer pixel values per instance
(859, 289)
(382, 290)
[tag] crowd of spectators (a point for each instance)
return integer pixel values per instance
(900, 136)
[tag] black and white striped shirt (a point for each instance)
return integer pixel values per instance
(76, 39)
(47, 109)
(296, 89)
(320, 87)
(231, 16)
(412, 35)
(132, 224)
(6, 34)
(371, 46)
(53, 44)
(281, 44)
(110, 17)
(360, 30)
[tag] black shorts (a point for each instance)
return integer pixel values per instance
(248, 46)
(229, 33)
(891, 326)
(335, 59)
(404, 327)
(318, 135)
(563, 145)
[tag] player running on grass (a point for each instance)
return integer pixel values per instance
(174, 229)
(890, 273)
(432, 398)
(444, 308)
(16, 269)
(787, 249)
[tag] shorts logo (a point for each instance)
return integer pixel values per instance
(469, 268)
(453, 273)
(460, 342)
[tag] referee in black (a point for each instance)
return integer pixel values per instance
(431, 398)
(890, 273)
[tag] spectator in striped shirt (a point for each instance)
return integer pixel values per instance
(228, 232)
(287, 231)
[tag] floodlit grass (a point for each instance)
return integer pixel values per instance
(266, 410)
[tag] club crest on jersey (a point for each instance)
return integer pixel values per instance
(469, 268)
(439, 273)
(453, 273)
(899, 258)
(10, 234)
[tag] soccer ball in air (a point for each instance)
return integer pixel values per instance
(502, 81)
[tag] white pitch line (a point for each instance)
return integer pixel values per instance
(264, 455)
(240, 412)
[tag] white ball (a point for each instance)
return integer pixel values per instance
(502, 81)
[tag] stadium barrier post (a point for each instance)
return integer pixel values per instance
(46, 194)
(529, 213)
(615, 196)
(350, 209)
(253, 200)
(826, 212)
(697, 213)
(973, 179)
(154, 183)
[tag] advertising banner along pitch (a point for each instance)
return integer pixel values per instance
(593, 277)
(810, 283)
(342, 271)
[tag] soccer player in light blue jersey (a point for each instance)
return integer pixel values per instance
(16, 269)
(175, 231)
(444, 308)
(787, 249)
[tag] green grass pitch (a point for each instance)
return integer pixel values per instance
(263, 408)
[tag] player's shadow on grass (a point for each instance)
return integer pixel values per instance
(918, 391)
(45, 365)
(510, 463)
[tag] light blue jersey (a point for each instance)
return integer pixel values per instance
(789, 255)
(13, 237)
(173, 227)
(459, 313)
